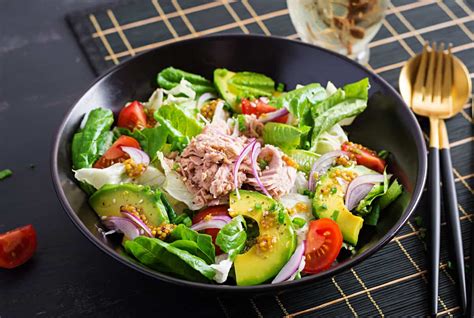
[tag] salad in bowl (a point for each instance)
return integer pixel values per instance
(234, 180)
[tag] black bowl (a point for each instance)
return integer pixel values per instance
(386, 124)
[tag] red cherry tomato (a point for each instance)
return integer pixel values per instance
(323, 243)
(259, 107)
(365, 156)
(214, 211)
(115, 154)
(17, 246)
(132, 116)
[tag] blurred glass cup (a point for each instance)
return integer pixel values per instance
(344, 26)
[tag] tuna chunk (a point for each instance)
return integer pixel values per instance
(253, 127)
(206, 164)
(277, 177)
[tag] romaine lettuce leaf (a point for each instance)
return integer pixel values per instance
(180, 120)
(331, 140)
(171, 77)
(365, 205)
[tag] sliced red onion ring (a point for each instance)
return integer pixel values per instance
(273, 115)
(122, 225)
(359, 188)
(137, 155)
(237, 164)
(255, 152)
(138, 222)
(204, 98)
(292, 266)
(322, 165)
(216, 222)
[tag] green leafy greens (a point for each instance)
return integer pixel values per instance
(232, 237)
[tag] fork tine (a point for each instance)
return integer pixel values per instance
(417, 94)
(438, 77)
(428, 93)
(448, 79)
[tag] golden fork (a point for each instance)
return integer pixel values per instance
(432, 97)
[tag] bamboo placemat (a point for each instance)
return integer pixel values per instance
(393, 282)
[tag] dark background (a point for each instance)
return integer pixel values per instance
(42, 73)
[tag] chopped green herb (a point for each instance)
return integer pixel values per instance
(281, 215)
(383, 154)
(241, 122)
(175, 166)
(333, 190)
(258, 207)
(5, 173)
(323, 206)
(308, 193)
(298, 222)
(335, 215)
(262, 163)
(280, 87)
(419, 220)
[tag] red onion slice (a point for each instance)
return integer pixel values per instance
(292, 266)
(137, 155)
(359, 188)
(322, 165)
(216, 222)
(264, 118)
(237, 164)
(138, 222)
(204, 98)
(122, 225)
(255, 152)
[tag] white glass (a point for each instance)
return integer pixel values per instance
(344, 26)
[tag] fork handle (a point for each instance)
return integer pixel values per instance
(435, 213)
(452, 213)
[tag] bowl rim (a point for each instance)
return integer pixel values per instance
(417, 191)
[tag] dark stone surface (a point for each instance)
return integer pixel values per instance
(42, 73)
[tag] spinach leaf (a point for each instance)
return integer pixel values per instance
(5, 173)
(166, 258)
(203, 246)
(170, 77)
(373, 217)
(231, 238)
(299, 101)
(88, 142)
(151, 139)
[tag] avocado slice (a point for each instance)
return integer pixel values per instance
(108, 199)
(328, 202)
(234, 86)
(257, 265)
(221, 80)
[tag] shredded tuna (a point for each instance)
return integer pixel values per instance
(253, 127)
(277, 177)
(206, 164)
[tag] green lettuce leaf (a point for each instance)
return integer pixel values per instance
(180, 120)
(299, 102)
(377, 191)
(393, 192)
(281, 135)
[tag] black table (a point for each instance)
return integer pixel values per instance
(42, 73)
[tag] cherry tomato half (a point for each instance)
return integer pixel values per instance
(115, 154)
(323, 243)
(212, 210)
(365, 156)
(132, 116)
(17, 246)
(259, 107)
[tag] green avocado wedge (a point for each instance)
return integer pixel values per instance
(258, 265)
(107, 201)
(328, 202)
